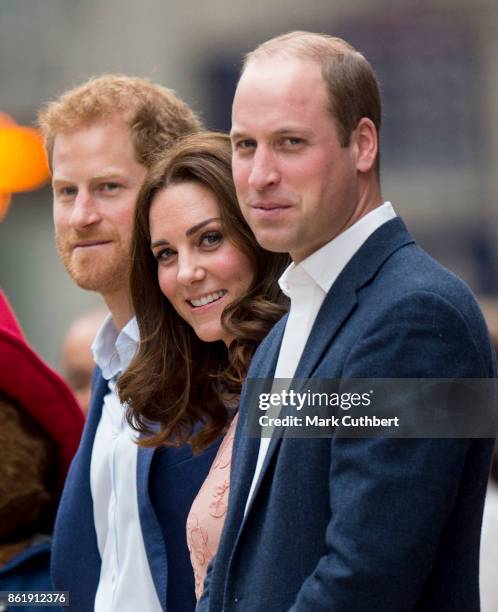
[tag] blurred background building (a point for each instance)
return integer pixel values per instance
(436, 61)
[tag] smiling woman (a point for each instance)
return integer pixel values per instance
(200, 283)
(200, 271)
(205, 294)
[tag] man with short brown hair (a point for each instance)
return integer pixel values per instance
(119, 541)
(349, 524)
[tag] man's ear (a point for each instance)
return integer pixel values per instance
(366, 143)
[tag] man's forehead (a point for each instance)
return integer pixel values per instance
(98, 144)
(278, 64)
(88, 129)
(279, 76)
(280, 92)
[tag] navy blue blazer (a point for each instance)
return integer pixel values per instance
(364, 525)
(168, 480)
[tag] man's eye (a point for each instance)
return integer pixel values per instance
(246, 144)
(109, 186)
(292, 141)
(211, 239)
(67, 191)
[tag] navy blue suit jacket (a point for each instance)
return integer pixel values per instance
(168, 480)
(364, 525)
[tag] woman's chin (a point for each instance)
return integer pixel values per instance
(212, 335)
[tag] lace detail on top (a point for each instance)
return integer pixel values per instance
(207, 514)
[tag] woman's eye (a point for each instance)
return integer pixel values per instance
(165, 255)
(211, 238)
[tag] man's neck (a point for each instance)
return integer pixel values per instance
(370, 196)
(119, 305)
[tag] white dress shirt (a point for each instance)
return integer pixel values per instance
(307, 284)
(488, 567)
(125, 579)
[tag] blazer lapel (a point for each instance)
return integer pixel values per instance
(246, 448)
(342, 297)
(76, 509)
(334, 312)
(151, 530)
(95, 412)
(265, 359)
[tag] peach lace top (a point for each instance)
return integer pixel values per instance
(207, 514)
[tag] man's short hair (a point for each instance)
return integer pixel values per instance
(155, 115)
(352, 87)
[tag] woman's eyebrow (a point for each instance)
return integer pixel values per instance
(158, 243)
(192, 230)
(196, 228)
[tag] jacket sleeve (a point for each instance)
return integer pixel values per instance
(391, 498)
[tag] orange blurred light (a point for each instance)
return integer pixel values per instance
(23, 163)
(4, 204)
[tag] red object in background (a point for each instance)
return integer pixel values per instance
(38, 389)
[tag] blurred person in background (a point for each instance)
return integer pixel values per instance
(40, 428)
(204, 294)
(355, 524)
(119, 539)
(77, 360)
(489, 538)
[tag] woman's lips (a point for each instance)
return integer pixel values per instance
(207, 299)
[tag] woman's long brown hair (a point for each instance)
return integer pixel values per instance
(176, 380)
